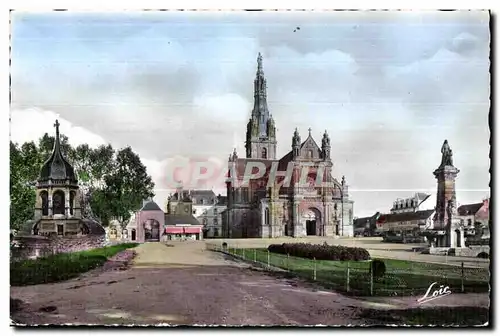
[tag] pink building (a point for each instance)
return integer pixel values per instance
(152, 224)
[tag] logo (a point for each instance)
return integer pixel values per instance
(436, 294)
(201, 172)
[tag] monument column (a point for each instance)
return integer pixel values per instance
(446, 209)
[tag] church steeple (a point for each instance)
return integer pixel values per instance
(261, 129)
(260, 110)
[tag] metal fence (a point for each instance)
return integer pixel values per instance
(401, 277)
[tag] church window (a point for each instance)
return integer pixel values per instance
(264, 153)
(266, 216)
(309, 154)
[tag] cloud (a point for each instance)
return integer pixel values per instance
(388, 86)
(31, 124)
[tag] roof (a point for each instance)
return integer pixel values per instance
(469, 209)
(221, 200)
(185, 196)
(361, 222)
(150, 206)
(173, 219)
(202, 193)
(405, 216)
(57, 167)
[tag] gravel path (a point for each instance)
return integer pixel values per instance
(184, 284)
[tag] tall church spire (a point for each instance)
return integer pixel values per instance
(260, 109)
(261, 129)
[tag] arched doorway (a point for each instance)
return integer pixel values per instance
(133, 234)
(312, 219)
(44, 195)
(151, 230)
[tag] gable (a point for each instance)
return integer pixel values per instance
(310, 149)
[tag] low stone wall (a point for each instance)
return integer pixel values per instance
(471, 251)
(32, 247)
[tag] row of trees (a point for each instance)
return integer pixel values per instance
(112, 182)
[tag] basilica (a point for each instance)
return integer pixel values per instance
(266, 209)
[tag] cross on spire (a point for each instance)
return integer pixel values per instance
(56, 125)
(310, 129)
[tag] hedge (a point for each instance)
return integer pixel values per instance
(321, 252)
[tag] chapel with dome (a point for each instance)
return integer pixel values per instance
(57, 208)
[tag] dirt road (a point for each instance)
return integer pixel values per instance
(184, 284)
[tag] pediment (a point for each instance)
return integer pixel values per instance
(310, 149)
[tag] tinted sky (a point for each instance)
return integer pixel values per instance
(388, 86)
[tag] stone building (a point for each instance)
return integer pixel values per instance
(57, 209)
(151, 224)
(310, 202)
(366, 226)
(405, 227)
(475, 220)
(207, 208)
(405, 221)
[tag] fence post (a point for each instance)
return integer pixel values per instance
(268, 259)
(314, 274)
(371, 278)
(462, 277)
(287, 261)
(347, 278)
(254, 255)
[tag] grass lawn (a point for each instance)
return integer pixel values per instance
(401, 277)
(62, 266)
(437, 316)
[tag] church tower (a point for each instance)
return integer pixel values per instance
(261, 130)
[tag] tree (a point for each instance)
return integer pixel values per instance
(23, 173)
(91, 166)
(112, 183)
(127, 186)
(46, 145)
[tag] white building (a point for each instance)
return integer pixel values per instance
(207, 209)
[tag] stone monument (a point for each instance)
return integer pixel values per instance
(446, 232)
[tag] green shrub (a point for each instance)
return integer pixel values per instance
(377, 268)
(321, 252)
(61, 267)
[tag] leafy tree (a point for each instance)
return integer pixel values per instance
(22, 178)
(127, 186)
(46, 145)
(112, 183)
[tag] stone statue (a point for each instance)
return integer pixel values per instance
(447, 155)
(451, 209)
(325, 142)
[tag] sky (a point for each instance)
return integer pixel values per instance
(389, 87)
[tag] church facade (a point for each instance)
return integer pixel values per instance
(296, 195)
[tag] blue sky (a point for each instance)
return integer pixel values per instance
(388, 86)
